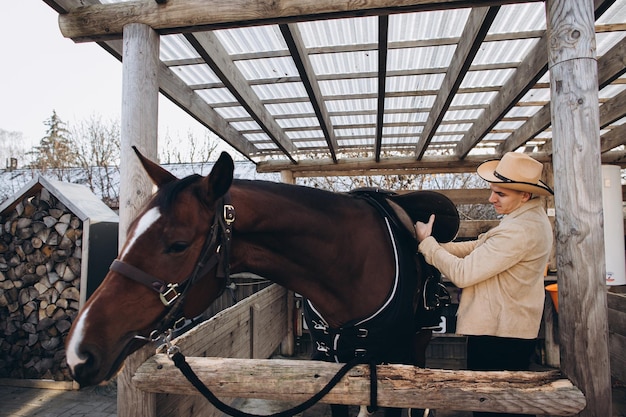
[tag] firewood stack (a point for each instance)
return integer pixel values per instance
(40, 268)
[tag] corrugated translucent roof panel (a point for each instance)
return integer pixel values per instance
(281, 109)
(267, 68)
(439, 24)
(350, 105)
(336, 32)
(234, 112)
(251, 39)
(299, 122)
(279, 90)
(342, 56)
(536, 94)
(216, 95)
(424, 57)
(521, 17)
(175, 47)
(419, 102)
(508, 51)
(345, 62)
(357, 118)
(414, 82)
(349, 87)
(487, 78)
(196, 74)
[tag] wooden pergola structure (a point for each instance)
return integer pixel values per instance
(411, 85)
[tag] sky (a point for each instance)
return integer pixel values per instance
(41, 71)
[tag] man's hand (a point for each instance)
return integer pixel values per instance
(423, 230)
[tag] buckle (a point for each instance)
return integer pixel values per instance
(322, 347)
(362, 333)
(229, 214)
(169, 296)
(360, 353)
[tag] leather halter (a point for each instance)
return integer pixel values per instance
(214, 254)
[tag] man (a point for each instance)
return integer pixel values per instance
(500, 273)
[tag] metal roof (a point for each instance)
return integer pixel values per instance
(388, 90)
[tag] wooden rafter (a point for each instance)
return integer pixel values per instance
(478, 23)
(530, 70)
(296, 46)
(383, 37)
(608, 71)
(212, 51)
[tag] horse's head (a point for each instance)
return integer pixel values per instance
(164, 244)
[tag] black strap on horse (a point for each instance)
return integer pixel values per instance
(183, 366)
(214, 254)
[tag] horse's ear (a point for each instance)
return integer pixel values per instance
(220, 179)
(157, 174)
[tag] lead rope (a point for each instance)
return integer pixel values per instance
(181, 363)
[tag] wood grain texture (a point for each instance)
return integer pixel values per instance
(578, 201)
(398, 385)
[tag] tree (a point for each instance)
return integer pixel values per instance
(98, 154)
(55, 151)
(195, 150)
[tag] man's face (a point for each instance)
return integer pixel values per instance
(505, 200)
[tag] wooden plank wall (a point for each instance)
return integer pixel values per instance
(251, 329)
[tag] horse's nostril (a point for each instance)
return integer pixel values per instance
(84, 367)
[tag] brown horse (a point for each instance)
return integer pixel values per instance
(334, 249)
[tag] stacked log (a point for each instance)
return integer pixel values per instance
(40, 268)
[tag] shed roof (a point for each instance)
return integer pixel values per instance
(393, 85)
(77, 198)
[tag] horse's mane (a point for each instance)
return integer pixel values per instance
(167, 193)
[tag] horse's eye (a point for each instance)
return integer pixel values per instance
(178, 247)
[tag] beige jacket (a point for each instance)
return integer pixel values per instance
(501, 274)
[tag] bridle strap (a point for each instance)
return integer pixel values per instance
(214, 253)
(138, 275)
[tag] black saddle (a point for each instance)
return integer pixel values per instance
(418, 206)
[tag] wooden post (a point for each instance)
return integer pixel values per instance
(140, 93)
(578, 200)
(288, 346)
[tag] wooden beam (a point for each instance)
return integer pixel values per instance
(367, 166)
(383, 40)
(608, 70)
(613, 109)
(214, 54)
(296, 46)
(400, 386)
(401, 165)
(613, 138)
(106, 21)
(528, 73)
(578, 201)
(478, 23)
(183, 96)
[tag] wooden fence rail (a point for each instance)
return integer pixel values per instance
(404, 386)
(251, 331)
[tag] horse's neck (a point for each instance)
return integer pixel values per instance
(330, 255)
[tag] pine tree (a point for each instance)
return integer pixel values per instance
(55, 150)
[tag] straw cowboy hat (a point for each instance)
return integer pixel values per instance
(515, 171)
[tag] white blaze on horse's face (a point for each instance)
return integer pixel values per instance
(143, 224)
(72, 353)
